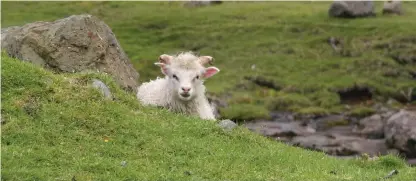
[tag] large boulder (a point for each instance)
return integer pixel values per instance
(400, 132)
(73, 44)
(351, 9)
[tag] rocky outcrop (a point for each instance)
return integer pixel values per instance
(389, 131)
(351, 9)
(74, 44)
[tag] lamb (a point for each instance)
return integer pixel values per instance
(182, 90)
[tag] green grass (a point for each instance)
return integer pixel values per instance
(287, 41)
(55, 127)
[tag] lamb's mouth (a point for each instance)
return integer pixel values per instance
(185, 95)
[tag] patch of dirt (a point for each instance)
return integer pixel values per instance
(413, 74)
(261, 81)
(31, 106)
(404, 59)
(156, 26)
(337, 45)
(355, 95)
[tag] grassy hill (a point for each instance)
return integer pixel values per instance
(57, 127)
(287, 42)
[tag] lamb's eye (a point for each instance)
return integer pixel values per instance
(175, 77)
(197, 77)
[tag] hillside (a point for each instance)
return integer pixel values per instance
(286, 42)
(57, 127)
(273, 56)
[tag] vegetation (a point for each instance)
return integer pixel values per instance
(58, 127)
(286, 43)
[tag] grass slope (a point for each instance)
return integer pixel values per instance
(286, 41)
(57, 127)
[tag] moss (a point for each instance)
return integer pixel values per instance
(285, 101)
(362, 111)
(316, 111)
(341, 122)
(245, 112)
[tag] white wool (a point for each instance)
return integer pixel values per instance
(161, 92)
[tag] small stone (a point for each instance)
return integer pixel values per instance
(392, 7)
(123, 163)
(227, 124)
(393, 172)
(196, 3)
(104, 89)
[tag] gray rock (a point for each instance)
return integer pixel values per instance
(103, 88)
(279, 129)
(412, 162)
(329, 121)
(400, 132)
(5, 31)
(339, 145)
(342, 130)
(372, 127)
(351, 9)
(393, 7)
(282, 116)
(73, 44)
(227, 124)
(196, 3)
(123, 164)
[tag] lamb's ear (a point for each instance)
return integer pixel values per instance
(165, 59)
(210, 71)
(206, 59)
(163, 67)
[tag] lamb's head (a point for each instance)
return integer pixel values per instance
(186, 73)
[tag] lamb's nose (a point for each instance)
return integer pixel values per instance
(186, 89)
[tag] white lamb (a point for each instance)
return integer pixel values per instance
(182, 90)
